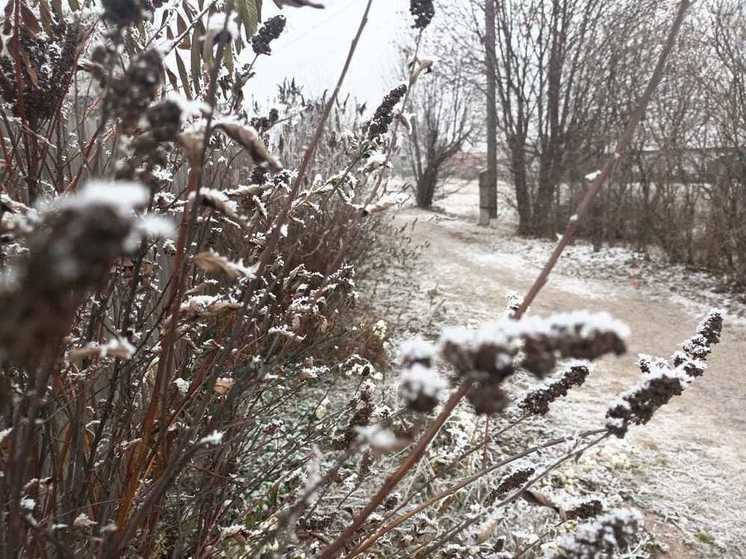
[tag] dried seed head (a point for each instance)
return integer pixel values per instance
(540, 341)
(487, 398)
(640, 404)
(126, 12)
(423, 12)
(537, 402)
(605, 536)
(584, 510)
(417, 350)
(131, 94)
(511, 482)
(663, 380)
(383, 116)
(165, 120)
(271, 30)
(72, 253)
(421, 387)
(391, 501)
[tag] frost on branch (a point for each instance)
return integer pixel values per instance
(662, 379)
(604, 537)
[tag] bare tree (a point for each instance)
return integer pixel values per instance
(562, 69)
(442, 123)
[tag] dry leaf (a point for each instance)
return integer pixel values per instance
(223, 385)
(116, 348)
(248, 138)
(211, 262)
(536, 498)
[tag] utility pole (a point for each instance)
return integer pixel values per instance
(488, 179)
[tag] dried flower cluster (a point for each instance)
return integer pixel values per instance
(268, 32)
(132, 92)
(184, 366)
(489, 355)
(126, 12)
(511, 482)
(537, 401)
(362, 409)
(73, 251)
(423, 12)
(420, 385)
(383, 116)
(584, 510)
(164, 119)
(605, 536)
(662, 380)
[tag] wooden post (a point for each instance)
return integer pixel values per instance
(490, 60)
(487, 202)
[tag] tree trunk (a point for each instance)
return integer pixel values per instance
(426, 187)
(517, 147)
(542, 218)
(551, 156)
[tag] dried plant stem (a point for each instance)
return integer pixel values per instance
(144, 454)
(425, 549)
(539, 539)
(393, 480)
(395, 128)
(419, 450)
(460, 485)
(189, 27)
(269, 252)
(451, 466)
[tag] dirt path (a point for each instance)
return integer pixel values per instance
(690, 461)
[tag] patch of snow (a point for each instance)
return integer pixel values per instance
(213, 439)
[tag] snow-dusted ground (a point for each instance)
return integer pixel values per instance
(687, 468)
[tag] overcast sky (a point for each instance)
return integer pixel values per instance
(315, 43)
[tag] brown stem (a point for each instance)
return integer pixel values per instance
(393, 480)
(460, 485)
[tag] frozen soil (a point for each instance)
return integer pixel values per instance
(687, 468)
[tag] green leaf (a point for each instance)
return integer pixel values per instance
(172, 78)
(249, 13)
(46, 17)
(228, 58)
(183, 75)
(57, 7)
(196, 63)
(181, 27)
